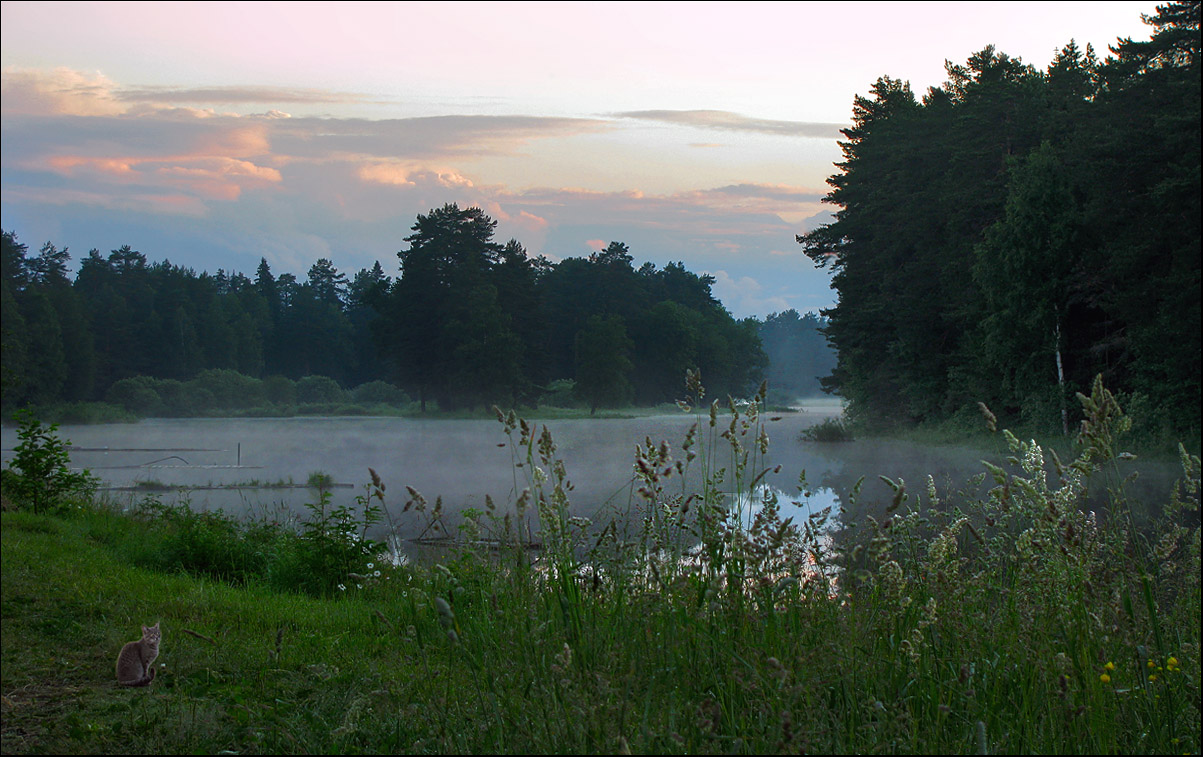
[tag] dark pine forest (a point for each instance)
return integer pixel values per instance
(465, 323)
(1014, 233)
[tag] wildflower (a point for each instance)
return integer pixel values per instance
(376, 574)
(1105, 678)
(1152, 678)
(342, 587)
(1109, 666)
(1171, 664)
(371, 565)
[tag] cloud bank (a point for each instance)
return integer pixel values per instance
(727, 121)
(224, 184)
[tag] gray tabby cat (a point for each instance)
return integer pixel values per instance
(135, 664)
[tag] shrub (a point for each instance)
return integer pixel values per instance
(332, 548)
(230, 389)
(138, 395)
(380, 392)
(39, 476)
(561, 393)
(318, 389)
(280, 390)
(182, 400)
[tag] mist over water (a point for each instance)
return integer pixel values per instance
(462, 461)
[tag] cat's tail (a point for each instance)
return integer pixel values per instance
(143, 681)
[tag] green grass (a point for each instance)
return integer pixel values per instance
(1016, 624)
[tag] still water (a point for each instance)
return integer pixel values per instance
(462, 461)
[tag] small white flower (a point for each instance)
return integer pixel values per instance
(342, 588)
(358, 586)
(377, 574)
(371, 565)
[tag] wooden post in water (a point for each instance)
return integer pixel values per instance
(239, 454)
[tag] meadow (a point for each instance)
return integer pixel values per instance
(1018, 621)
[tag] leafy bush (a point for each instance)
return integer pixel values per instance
(830, 430)
(39, 476)
(280, 390)
(182, 400)
(332, 548)
(138, 395)
(561, 393)
(230, 389)
(318, 389)
(380, 392)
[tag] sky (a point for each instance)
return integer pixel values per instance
(215, 134)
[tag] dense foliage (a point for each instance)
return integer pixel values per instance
(39, 476)
(468, 322)
(1015, 232)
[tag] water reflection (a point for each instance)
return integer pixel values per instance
(799, 505)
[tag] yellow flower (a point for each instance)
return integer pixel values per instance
(1109, 666)
(1105, 678)
(1173, 661)
(1153, 677)
(1151, 664)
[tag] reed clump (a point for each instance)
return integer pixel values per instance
(704, 615)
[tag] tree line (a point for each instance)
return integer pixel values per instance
(1015, 232)
(466, 322)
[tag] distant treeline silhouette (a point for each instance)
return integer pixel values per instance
(467, 322)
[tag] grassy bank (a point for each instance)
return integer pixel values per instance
(1018, 624)
(91, 413)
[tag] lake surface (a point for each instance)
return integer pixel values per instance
(462, 461)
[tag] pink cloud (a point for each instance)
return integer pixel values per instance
(409, 175)
(238, 142)
(60, 91)
(158, 203)
(67, 165)
(523, 219)
(385, 173)
(531, 221)
(215, 177)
